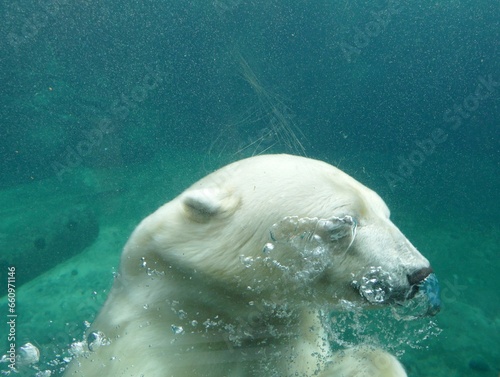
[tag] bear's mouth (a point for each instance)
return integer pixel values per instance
(377, 287)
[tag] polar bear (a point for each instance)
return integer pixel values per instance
(231, 277)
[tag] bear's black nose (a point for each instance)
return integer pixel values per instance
(416, 277)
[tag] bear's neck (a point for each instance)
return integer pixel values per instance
(184, 302)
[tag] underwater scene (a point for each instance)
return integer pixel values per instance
(109, 110)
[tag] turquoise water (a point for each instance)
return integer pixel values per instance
(110, 109)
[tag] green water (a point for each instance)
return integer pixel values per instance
(111, 109)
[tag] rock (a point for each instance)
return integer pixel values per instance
(37, 241)
(479, 364)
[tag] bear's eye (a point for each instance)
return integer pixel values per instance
(340, 227)
(314, 235)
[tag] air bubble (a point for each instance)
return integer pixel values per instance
(268, 247)
(43, 373)
(315, 240)
(375, 285)
(209, 323)
(77, 348)
(177, 329)
(97, 339)
(154, 272)
(28, 354)
(247, 261)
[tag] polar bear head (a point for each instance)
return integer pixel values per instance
(283, 228)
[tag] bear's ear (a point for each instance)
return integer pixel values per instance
(204, 204)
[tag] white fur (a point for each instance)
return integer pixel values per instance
(199, 294)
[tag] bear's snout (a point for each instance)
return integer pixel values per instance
(418, 276)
